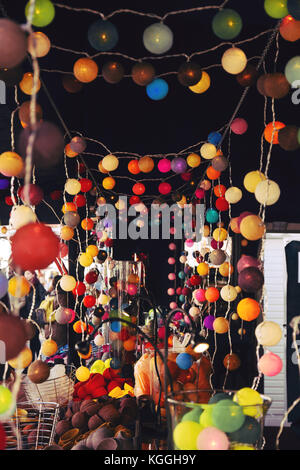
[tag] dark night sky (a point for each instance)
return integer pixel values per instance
(124, 118)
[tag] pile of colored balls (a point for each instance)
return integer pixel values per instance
(103, 424)
(229, 421)
(97, 385)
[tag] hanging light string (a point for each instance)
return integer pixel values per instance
(185, 55)
(141, 13)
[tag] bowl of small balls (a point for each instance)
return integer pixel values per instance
(218, 419)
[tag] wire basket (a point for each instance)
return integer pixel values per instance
(32, 427)
(57, 390)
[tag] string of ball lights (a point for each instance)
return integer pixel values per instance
(187, 56)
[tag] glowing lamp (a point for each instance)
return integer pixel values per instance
(208, 151)
(227, 24)
(67, 283)
(276, 8)
(103, 35)
(110, 162)
(38, 44)
(85, 70)
(272, 129)
(234, 60)
(158, 38)
(27, 84)
(143, 73)
(203, 85)
(108, 183)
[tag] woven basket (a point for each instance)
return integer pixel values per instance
(58, 390)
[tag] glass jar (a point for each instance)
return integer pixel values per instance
(217, 419)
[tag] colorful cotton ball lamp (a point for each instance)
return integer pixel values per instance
(23, 359)
(248, 76)
(290, 28)
(227, 24)
(234, 61)
(164, 165)
(87, 224)
(85, 70)
(228, 293)
(270, 364)
(288, 138)
(85, 260)
(252, 228)
(6, 401)
(72, 186)
(103, 35)
(217, 257)
(212, 439)
(110, 162)
(38, 371)
(219, 163)
(43, 12)
(250, 279)
(38, 44)
(27, 84)
(113, 72)
(66, 233)
(221, 325)
(157, 89)
(67, 283)
(208, 151)
(212, 294)
(250, 400)
(143, 73)
(249, 433)
(203, 85)
(158, 38)
(228, 416)
(239, 126)
(220, 234)
(11, 164)
(221, 204)
(133, 167)
(231, 362)
(13, 44)
(212, 216)
(193, 160)
(82, 374)
(268, 333)
(252, 179)
(185, 435)
(248, 309)
(49, 348)
(164, 188)
(34, 246)
(276, 8)
(146, 164)
(184, 361)
(108, 183)
(189, 74)
(233, 195)
(272, 130)
(273, 85)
